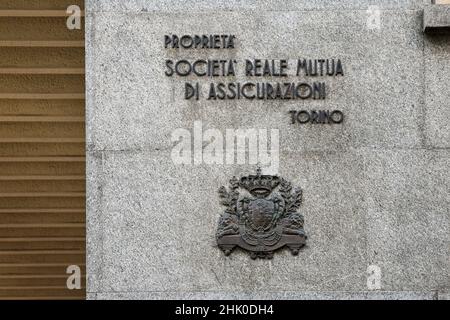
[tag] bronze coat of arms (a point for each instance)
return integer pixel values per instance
(260, 216)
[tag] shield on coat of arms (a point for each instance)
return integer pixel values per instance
(260, 214)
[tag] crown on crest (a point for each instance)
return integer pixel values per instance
(259, 185)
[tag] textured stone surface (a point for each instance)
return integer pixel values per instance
(287, 295)
(381, 66)
(150, 203)
(376, 188)
(361, 208)
(437, 95)
(436, 18)
(94, 223)
(407, 197)
(264, 5)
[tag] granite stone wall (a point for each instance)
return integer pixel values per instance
(376, 187)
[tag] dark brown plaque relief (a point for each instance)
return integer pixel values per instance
(260, 216)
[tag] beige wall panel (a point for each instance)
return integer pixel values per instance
(42, 150)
